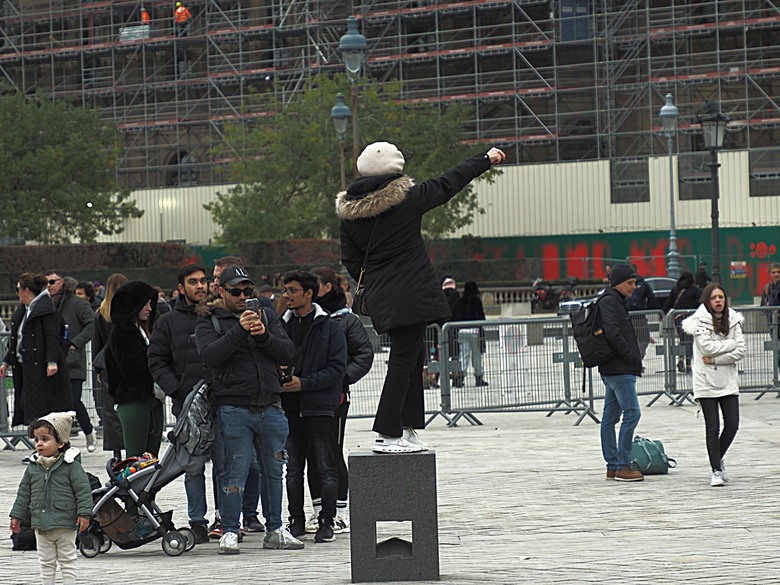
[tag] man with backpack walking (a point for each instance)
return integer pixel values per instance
(619, 374)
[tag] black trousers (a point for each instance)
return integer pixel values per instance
(718, 443)
(311, 435)
(402, 403)
(312, 475)
(81, 411)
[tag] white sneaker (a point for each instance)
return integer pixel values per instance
(312, 524)
(91, 442)
(228, 544)
(384, 444)
(341, 522)
(413, 438)
(281, 539)
(723, 473)
(717, 479)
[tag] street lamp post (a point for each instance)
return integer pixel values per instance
(340, 114)
(713, 126)
(353, 47)
(669, 115)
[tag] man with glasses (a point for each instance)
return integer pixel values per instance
(176, 366)
(79, 320)
(244, 351)
(312, 392)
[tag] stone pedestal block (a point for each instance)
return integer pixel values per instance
(386, 487)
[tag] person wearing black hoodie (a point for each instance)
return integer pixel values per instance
(130, 382)
(684, 295)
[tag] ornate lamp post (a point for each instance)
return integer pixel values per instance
(340, 114)
(353, 48)
(669, 115)
(713, 126)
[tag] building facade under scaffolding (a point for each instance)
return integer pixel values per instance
(546, 80)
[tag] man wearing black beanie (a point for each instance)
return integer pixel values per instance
(619, 375)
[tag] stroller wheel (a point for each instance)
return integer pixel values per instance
(105, 546)
(88, 546)
(174, 543)
(190, 536)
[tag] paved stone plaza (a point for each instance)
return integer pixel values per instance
(522, 499)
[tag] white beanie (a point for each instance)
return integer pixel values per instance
(62, 422)
(380, 158)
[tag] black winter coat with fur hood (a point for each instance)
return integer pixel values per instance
(401, 287)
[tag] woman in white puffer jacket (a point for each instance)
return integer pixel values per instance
(718, 344)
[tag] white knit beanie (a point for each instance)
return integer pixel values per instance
(380, 158)
(62, 423)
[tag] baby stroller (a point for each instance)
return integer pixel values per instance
(124, 511)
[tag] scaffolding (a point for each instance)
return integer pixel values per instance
(547, 80)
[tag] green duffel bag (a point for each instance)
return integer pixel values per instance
(649, 457)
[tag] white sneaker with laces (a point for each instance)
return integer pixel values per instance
(312, 524)
(228, 544)
(281, 539)
(385, 444)
(91, 442)
(723, 471)
(717, 479)
(413, 438)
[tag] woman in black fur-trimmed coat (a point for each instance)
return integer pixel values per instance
(401, 287)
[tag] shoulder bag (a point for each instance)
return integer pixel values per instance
(359, 304)
(649, 457)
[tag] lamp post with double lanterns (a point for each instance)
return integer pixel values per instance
(713, 126)
(340, 114)
(353, 48)
(669, 115)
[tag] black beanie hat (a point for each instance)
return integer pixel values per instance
(621, 273)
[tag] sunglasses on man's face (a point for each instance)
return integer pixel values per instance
(53, 281)
(235, 292)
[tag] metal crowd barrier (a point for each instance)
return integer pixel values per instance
(529, 364)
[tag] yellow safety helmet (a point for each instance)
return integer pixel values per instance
(178, 4)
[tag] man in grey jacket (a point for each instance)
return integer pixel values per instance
(619, 375)
(79, 320)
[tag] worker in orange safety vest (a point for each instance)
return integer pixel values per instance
(182, 17)
(145, 18)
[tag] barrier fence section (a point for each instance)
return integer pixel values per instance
(526, 364)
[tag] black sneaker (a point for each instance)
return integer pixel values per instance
(201, 533)
(325, 531)
(252, 524)
(215, 530)
(297, 527)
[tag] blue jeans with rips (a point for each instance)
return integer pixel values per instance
(251, 487)
(620, 399)
(247, 433)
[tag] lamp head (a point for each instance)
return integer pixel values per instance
(340, 114)
(669, 115)
(353, 47)
(713, 126)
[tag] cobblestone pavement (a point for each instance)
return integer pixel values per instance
(522, 499)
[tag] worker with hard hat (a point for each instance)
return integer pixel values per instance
(182, 17)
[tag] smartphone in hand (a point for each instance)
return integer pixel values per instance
(253, 305)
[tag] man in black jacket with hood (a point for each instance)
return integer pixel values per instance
(619, 375)
(176, 366)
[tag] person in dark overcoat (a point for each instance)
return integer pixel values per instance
(684, 295)
(36, 353)
(401, 288)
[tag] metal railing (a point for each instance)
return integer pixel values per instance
(527, 364)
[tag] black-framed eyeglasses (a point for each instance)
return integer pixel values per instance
(235, 292)
(54, 280)
(291, 290)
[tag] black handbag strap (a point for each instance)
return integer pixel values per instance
(365, 256)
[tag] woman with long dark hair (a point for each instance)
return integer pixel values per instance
(718, 346)
(36, 353)
(130, 382)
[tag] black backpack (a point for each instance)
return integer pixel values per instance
(589, 335)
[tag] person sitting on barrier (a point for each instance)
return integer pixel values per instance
(470, 339)
(718, 345)
(381, 213)
(684, 295)
(619, 375)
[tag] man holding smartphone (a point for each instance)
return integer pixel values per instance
(244, 350)
(312, 394)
